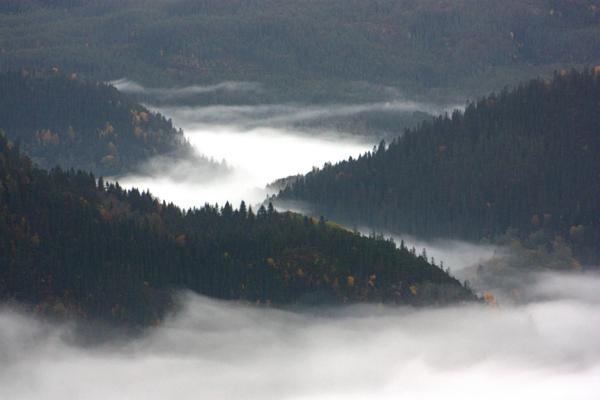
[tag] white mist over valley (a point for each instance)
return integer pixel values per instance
(255, 158)
(259, 143)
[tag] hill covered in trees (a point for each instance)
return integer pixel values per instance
(524, 161)
(304, 46)
(71, 244)
(63, 120)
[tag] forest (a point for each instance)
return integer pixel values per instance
(73, 245)
(60, 119)
(299, 199)
(522, 162)
(311, 50)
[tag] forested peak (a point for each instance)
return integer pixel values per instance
(566, 91)
(61, 119)
(69, 88)
(524, 158)
(71, 244)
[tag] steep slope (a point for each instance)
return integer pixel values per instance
(527, 159)
(70, 244)
(465, 45)
(62, 120)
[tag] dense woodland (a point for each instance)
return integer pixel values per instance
(518, 164)
(304, 46)
(74, 123)
(71, 244)
(524, 162)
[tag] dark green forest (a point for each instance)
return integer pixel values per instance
(524, 161)
(63, 120)
(73, 245)
(304, 48)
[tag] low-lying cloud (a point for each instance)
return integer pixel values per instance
(255, 149)
(252, 116)
(254, 158)
(546, 349)
(132, 87)
(260, 143)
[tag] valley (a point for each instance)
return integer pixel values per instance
(299, 199)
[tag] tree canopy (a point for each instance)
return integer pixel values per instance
(63, 120)
(459, 45)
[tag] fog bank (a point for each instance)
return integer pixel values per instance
(255, 156)
(251, 116)
(263, 142)
(216, 350)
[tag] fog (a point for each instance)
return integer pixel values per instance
(257, 146)
(128, 86)
(254, 157)
(260, 143)
(546, 349)
(250, 116)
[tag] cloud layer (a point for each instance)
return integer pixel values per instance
(252, 116)
(215, 350)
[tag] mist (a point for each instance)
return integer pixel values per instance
(456, 255)
(254, 155)
(251, 145)
(251, 116)
(131, 87)
(259, 143)
(219, 350)
(254, 158)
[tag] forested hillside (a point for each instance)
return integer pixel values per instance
(466, 46)
(525, 161)
(66, 121)
(72, 245)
